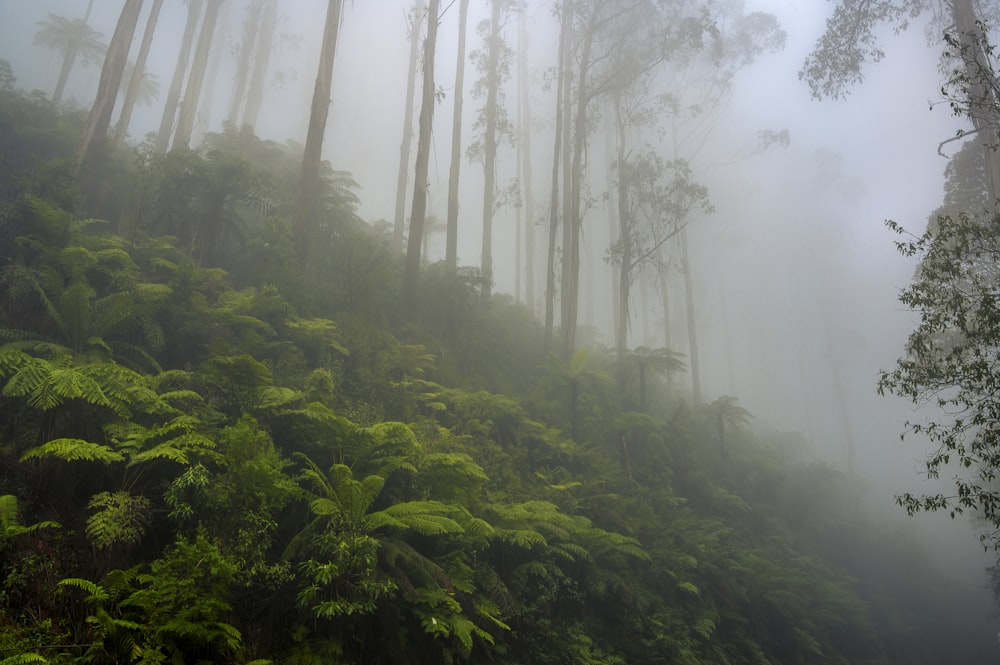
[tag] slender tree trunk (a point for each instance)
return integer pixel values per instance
(561, 90)
(571, 255)
(624, 238)
(177, 82)
(490, 151)
(208, 88)
(96, 133)
(407, 141)
(262, 59)
(308, 203)
(189, 108)
(524, 148)
(69, 59)
(451, 237)
(244, 57)
(418, 212)
(694, 365)
(132, 92)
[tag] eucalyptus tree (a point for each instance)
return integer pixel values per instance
(851, 41)
(414, 29)
(451, 230)
(493, 62)
(418, 212)
(196, 76)
(72, 38)
(261, 61)
(308, 204)
(135, 81)
(171, 105)
(244, 58)
(697, 86)
(526, 205)
(96, 132)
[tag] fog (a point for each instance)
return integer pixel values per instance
(795, 274)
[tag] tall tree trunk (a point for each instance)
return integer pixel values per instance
(96, 133)
(189, 108)
(490, 151)
(418, 211)
(562, 89)
(624, 238)
(524, 148)
(177, 82)
(208, 88)
(571, 254)
(694, 366)
(244, 57)
(451, 238)
(69, 59)
(308, 203)
(261, 61)
(132, 92)
(407, 141)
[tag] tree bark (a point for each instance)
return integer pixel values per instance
(624, 238)
(407, 141)
(132, 92)
(69, 59)
(418, 211)
(308, 203)
(96, 133)
(262, 58)
(451, 238)
(177, 82)
(189, 108)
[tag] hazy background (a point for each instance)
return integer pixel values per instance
(796, 275)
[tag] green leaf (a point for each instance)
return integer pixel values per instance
(73, 450)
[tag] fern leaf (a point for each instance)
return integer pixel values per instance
(73, 450)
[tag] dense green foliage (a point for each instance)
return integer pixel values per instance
(210, 457)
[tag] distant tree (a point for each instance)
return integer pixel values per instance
(171, 105)
(416, 19)
(72, 38)
(493, 61)
(96, 132)
(308, 207)
(192, 93)
(244, 58)
(261, 61)
(451, 231)
(851, 41)
(418, 212)
(138, 75)
(726, 413)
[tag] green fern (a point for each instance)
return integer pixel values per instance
(23, 659)
(120, 518)
(74, 450)
(10, 519)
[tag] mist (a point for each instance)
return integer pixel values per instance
(795, 275)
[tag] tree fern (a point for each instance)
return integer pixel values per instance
(10, 520)
(74, 450)
(120, 518)
(26, 658)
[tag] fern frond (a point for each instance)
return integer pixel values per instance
(73, 450)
